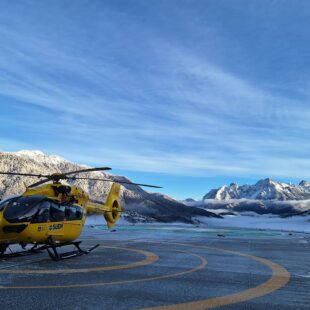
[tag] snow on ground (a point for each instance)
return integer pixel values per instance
(266, 222)
(296, 224)
(97, 219)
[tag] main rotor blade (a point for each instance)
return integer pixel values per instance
(63, 176)
(121, 182)
(25, 174)
(87, 170)
(40, 182)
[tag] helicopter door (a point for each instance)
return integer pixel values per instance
(43, 215)
(57, 226)
(70, 213)
(57, 212)
(73, 225)
(73, 213)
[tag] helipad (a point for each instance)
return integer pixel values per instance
(162, 268)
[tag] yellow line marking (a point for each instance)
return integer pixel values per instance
(150, 259)
(201, 266)
(280, 277)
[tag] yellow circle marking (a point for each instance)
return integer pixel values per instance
(201, 266)
(150, 258)
(280, 277)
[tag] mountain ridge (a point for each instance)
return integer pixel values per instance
(266, 196)
(151, 206)
(264, 189)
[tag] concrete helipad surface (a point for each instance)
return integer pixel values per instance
(166, 267)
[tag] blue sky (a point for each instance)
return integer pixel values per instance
(185, 94)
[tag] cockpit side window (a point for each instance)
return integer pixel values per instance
(43, 215)
(57, 212)
(70, 213)
(73, 213)
(79, 213)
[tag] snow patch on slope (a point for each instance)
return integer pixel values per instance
(142, 205)
(40, 156)
(266, 189)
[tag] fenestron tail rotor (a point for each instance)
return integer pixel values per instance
(56, 177)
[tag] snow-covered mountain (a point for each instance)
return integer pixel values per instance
(137, 202)
(264, 197)
(266, 189)
(189, 202)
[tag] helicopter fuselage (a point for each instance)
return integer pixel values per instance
(52, 212)
(53, 215)
(40, 233)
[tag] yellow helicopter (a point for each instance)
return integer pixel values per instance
(53, 215)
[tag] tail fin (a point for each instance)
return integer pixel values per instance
(113, 206)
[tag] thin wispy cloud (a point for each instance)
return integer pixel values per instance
(128, 86)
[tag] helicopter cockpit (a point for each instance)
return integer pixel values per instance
(38, 209)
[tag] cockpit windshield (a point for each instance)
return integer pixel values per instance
(38, 209)
(7, 201)
(22, 209)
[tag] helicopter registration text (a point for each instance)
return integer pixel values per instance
(55, 226)
(41, 228)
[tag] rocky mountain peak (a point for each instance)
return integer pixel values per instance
(30, 153)
(265, 182)
(39, 156)
(155, 206)
(265, 189)
(304, 183)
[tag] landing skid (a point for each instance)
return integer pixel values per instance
(53, 253)
(34, 250)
